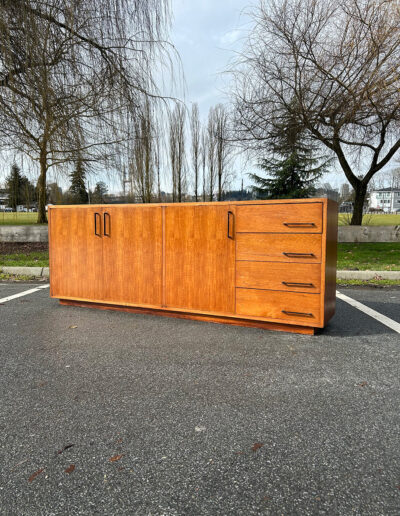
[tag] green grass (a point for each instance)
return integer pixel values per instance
(369, 256)
(17, 219)
(365, 256)
(344, 219)
(372, 219)
(33, 259)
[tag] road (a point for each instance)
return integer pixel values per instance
(113, 413)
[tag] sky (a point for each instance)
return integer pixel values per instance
(207, 35)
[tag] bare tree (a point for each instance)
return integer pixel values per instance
(204, 155)
(222, 146)
(142, 167)
(338, 59)
(68, 70)
(177, 155)
(211, 152)
(195, 131)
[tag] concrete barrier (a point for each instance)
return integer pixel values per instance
(346, 234)
(24, 233)
(369, 234)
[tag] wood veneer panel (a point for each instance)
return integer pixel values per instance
(280, 218)
(273, 304)
(271, 246)
(76, 253)
(132, 255)
(294, 277)
(199, 258)
(197, 317)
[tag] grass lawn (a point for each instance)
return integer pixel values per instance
(365, 256)
(17, 219)
(35, 259)
(24, 255)
(369, 256)
(390, 219)
(344, 219)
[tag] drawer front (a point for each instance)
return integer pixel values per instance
(278, 248)
(280, 218)
(284, 306)
(293, 277)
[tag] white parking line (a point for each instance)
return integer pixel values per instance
(393, 325)
(24, 293)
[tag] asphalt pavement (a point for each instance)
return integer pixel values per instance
(113, 413)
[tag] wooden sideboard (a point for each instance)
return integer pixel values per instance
(267, 264)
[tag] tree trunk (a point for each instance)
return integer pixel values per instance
(360, 193)
(42, 218)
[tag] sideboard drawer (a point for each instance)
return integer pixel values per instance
(271, 304)
(278, 248)
(293, 277)
(280, 218)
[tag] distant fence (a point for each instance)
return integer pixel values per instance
(346, 233)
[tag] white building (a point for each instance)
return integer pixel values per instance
(386, 199)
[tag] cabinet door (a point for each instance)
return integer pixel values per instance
(76, 253)
(200, 258)
(132, 255)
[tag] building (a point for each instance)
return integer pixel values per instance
(3, 199)
(386, 199)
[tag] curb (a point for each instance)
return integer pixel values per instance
(34, 272)
(368, 275)
(43, 272)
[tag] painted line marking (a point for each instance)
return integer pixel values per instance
(393, 325)
(24, 293)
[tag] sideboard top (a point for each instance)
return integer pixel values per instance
(219, 203)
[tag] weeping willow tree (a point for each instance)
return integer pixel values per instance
(70, 70)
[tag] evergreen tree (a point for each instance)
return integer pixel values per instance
(78, 188)
(293, 167)
(99, 193)
(28, 192)
(14, 186)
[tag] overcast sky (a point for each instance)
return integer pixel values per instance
(206, 35)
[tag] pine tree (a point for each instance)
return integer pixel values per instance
(78, 188)
(294, 166)
(99, 193)
(14, 185)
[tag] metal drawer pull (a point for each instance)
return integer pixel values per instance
(293, 284)
(95, 224)
(302, 314)
(299, 255)
(229, 229)
(107, 232)
(299, 224)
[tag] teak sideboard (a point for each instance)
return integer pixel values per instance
(268, 264)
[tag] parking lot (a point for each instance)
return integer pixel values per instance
(108, 412)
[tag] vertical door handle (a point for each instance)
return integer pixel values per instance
(107, 231)
(229, 229)
(95, 224)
